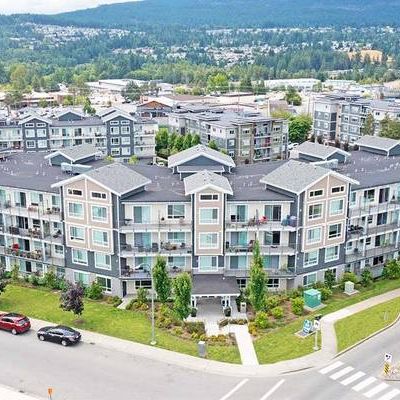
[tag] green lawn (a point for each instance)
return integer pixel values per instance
(354, 328)
(105, 319)
(282, 344)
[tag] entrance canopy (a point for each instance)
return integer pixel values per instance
(209, 285)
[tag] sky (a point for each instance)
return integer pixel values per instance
(50, 6)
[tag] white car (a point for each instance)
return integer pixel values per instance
(292, 146)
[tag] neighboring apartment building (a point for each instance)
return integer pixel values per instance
(342, 117)
(102, 221)
(115, 132)
(245, 136)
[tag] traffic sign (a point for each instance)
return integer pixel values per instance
(307, 326)
(388, 358)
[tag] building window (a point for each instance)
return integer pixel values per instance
(335, 231)
(76, 233)
(309, 279)
(336, 207)
(271, 262)
(126, 140)
(30, 144)
(75, 210)
(115, 152)
(98, 195)
(114, 130)
(105, 283)
(42, 144)
(337, 189)
(273, 283)
(99, 213)
(75, 192)
(353, 198)
(332, 253)
(79, 257)
(176, 262)
(369, 195)
(114, 141)
(100, 238)
(272, 238)
(102, 261)
(273, 213)
(125, 130)
(141, 214)
(30, 133)
(311, 258)
(238, 262)
(59, 250)
(208, 263)
(81, 277)
(175, 211)
(315, 211)
(208, 216)
(176, 237)
(314, 235)
(316, 193)
(209, 197)
(208, 241)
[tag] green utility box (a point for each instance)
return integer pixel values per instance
(312, 298)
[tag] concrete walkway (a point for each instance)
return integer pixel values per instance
(245, 344)
(11, 394)
(316, 359)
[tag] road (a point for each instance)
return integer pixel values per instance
(87, 372)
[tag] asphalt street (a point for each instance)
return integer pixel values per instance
(87, 372)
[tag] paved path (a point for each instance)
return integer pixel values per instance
(7, 393)
(245, 344)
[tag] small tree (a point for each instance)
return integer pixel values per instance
(330, 278)
(258, 280)
(391, 270)
(182, 293)
(212, 144)
(72, 299)
(162, 282)
(366, 278)
(195, 140)
(133, 160)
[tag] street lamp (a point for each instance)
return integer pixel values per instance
(153, 341)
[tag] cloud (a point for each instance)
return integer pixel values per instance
(50, 6)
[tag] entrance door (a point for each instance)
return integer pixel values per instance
(124, 288)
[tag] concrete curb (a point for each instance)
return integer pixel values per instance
(397, 319)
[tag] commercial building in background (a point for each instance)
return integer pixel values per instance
(90, 219)
(247, 137)
(114, 132)
(342, 117)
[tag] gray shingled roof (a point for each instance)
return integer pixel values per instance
(377, 142)
(197, 151)
(118, 178)
(209, 284)
(294, 176)
(76, 153)
(319, 150)
(196, 182)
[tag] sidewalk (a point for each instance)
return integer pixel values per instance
(316, 359)
(11, 394)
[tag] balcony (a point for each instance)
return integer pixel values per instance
(263, 223)
(359, 254)
(166, 248)
(142, 272)
(272, 272)
(127, 225)
(14, 251)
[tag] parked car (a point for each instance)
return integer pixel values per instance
(292, 146)
(59, 334)
(15, 323)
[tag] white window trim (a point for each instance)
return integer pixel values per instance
(108, 268)
(211, 268)
(102, 220)
(133, 214)
(105, 277)
(80, 272)
(209, 247)
(172, 217)
(75, 239)
(73, 216)
(74, 195)
(209, 223)
(339, 213)
(340, 234)
(316, 197)
(96, 198)
(311, 273)
(320, 236)
(78, 262)
(340, 191)
(315, 218)
(209, 194)
(335, 258)
(101, 245)
(310, 265)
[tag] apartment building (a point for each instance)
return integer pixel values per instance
(113, 131)
(247, 137)
(96, 220)
(342, 116)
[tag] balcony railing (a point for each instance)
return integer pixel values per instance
(288, 222)
(359, 254)
(141, 272)
(128, 225)
(128, 250)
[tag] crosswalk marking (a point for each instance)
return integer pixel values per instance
(376, 390)
(363, 384)
(341, 373)
(390, 395)
(331, 367)
(352, 378)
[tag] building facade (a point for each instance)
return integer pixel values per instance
(90, 219)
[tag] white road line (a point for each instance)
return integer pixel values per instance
(364, 384)
(331, 367)
(390, 395)
(341, 373)
(235, 389)
(352, 378)
(272, 390)
(376, 390)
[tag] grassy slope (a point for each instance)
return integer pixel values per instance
(105, 319)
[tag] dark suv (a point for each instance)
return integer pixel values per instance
(14, 323)
(59, 334)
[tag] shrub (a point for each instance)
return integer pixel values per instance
(178, 331)
(272, 302)
(50, 280)
(348, 276)
(252, 328)
(131, 305)
(277, 312)
(94, 291)
(34, 279)
(297, 305)
(115, 301)
(141, 296)
(330, 278)
(326, 293)
(292, 294)
(366, 278)
(195, 327)
(391, 270)
(193, 312)
(15, 273)
(261, 321)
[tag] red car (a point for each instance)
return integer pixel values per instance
(15, 323)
